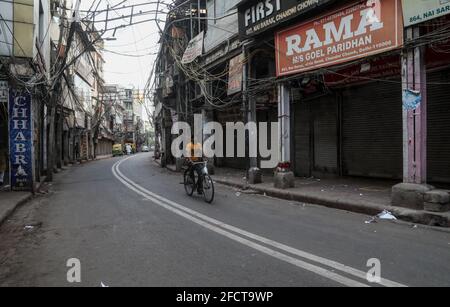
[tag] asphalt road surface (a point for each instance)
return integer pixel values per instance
(130, 223)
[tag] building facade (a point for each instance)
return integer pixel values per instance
(24, 70)
(50, 116)
(357, 87)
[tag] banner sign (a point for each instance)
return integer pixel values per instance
(417, 11)
(194, 49)
(20, 140)
(235, 75)
(4, 92)
(353, 32)
(259, 16)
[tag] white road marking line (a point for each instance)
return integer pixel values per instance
(198, 217)
(301, 264)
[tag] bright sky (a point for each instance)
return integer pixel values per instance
(130, 58)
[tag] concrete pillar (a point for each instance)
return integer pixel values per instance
(412, 191)
(59, 140)
(163, 142)
(284, 177)
(254, 172)
(208, 116)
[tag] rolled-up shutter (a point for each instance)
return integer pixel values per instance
(372, 130)
(438, 127)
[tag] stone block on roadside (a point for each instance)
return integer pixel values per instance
(254, 176)
(436, 207)
(284, 180)
(438, 197)
(411, 196)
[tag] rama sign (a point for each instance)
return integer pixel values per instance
(350, 33)
(258, 16)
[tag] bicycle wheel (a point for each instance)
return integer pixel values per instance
(189, 183)
(208, 189)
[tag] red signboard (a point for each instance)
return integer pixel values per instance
(376, 69)
(353, 32)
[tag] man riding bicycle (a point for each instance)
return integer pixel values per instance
(194, 155)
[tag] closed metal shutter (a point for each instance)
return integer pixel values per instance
(232, 115)
(316, 134)
(372, 143)
(438, 127)
(325, 134)
(302, 139)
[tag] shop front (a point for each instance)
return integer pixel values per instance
(343, 71)
(438, 103)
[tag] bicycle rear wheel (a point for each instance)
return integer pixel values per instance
(208, 189)
(189, 183)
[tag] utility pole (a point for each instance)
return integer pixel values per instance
(55, 92)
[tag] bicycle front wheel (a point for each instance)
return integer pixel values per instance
(208, 189)
(189, 182)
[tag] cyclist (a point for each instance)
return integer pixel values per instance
(194, 156)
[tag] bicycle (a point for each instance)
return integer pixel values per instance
(192, 181)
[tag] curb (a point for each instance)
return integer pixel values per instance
(363, 207)
(428, 219)
(21, 202)
(11, 211)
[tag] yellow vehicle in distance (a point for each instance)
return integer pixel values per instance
(118, 150)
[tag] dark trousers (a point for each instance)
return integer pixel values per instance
(198, 168)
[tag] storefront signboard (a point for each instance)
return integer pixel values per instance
(194, 49)
(235, 75)
(256, 17)
(418, 11)
(347, 34)
(20, 140)
(4, 92)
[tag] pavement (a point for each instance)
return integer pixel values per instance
(10, 201)
(130, 223)
(367, 196)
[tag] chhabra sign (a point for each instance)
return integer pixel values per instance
(350, 33)
(20, 140)
(417, 11)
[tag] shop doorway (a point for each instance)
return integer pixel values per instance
(316, 137)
